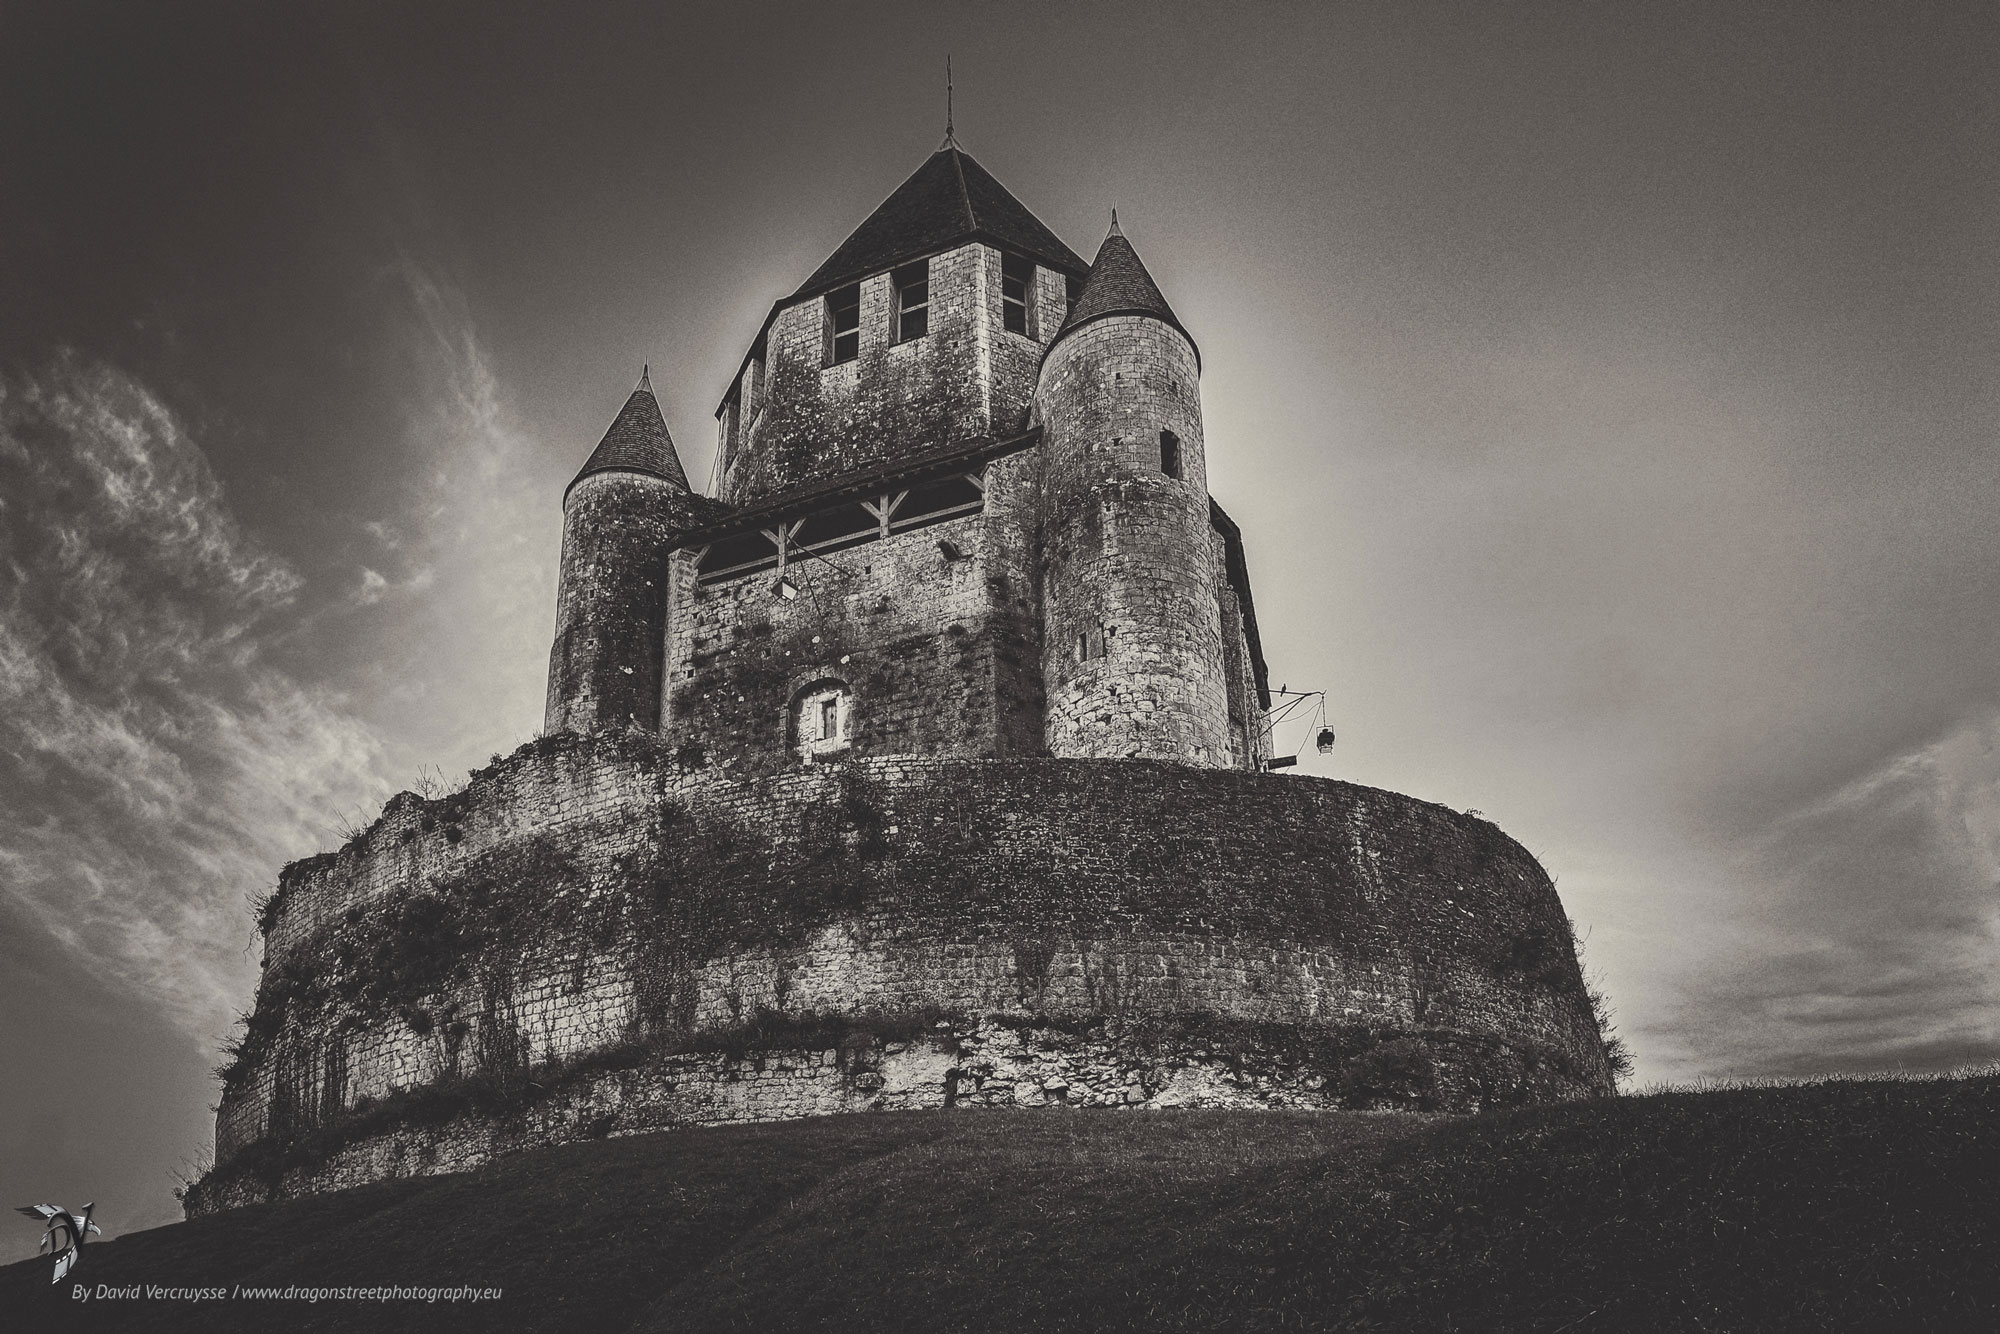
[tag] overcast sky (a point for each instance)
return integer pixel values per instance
(1607, 394)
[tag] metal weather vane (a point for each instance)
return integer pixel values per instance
(64, 1234)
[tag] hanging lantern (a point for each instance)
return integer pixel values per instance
(1325, 741)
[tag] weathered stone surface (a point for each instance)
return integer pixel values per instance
(812, 420)
(1113, 1063)
(611, 601)
(939, 651)
(655, 907)
(1132, 648)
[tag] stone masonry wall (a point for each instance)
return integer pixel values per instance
(817, 421)
(1249, 745)
(1133, 648)
(604, 663)
(1126, 1065)
(1017, 358)
(591, 894)
(968, 377)
(940, 652)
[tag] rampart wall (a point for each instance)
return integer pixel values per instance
(648, 945)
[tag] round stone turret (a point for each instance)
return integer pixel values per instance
(619, 518)
(1132, 651)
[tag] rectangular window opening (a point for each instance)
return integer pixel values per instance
(1170, 454)
(913, 300)
(843, 324)
(829, 719)
(1017, 294)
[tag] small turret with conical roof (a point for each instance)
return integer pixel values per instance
(1120, 285)
(1132, 652)
(621, 515)
(638, 441)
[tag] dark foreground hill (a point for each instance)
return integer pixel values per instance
(1851, 1205)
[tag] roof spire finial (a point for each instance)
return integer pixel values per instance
(1114, 224)
(950, 138)
(646, 378)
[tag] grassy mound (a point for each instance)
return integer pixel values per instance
(1845, 1205)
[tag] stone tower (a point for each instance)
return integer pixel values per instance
(620, 517)
(1132, 651)
(928, 757)
(1017, 439)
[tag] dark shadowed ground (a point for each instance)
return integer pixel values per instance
(1831, 1206)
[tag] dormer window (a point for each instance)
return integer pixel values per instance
(913, 300)
(1017, 294)
(843, 324)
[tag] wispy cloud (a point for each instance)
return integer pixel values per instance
(465, 575)
(155, 766)
(158, 759)
(1873, 939)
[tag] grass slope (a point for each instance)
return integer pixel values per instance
(1836, 1206)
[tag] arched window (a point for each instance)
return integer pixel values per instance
(822, 720)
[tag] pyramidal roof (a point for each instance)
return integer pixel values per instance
(947, 201)
(1119, 285)
(638, 440)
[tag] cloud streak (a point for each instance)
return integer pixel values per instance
(458, 589)
(167, 740)
(155, 766)
(1871, 941)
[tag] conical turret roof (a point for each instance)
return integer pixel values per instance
(1119, 285)
(947, 201)
(638, 441)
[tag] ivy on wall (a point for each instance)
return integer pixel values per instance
(653, 889)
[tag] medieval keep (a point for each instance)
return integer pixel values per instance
(922, 766)
(964, 512)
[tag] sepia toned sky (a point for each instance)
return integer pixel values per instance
(1607, 393)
